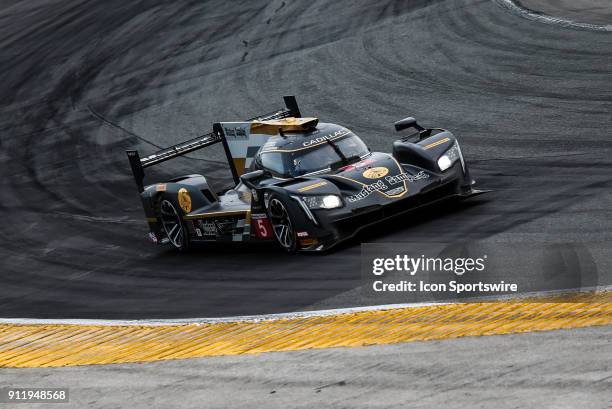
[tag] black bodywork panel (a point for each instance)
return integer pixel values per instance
(372, 187)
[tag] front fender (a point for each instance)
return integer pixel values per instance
(302, 217)
(425, 152)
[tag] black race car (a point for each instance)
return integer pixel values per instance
(304, 184)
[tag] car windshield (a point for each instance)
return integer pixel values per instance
(318, 157)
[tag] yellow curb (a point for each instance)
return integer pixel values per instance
(44, 345)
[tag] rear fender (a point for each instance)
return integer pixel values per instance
(189, 192)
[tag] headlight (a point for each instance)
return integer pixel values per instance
(444, 162)
(451, 156)
(322, 202)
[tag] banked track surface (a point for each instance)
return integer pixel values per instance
(531, 103)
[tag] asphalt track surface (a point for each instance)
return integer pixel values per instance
(531, 103)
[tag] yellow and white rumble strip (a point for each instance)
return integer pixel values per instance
(24, 344)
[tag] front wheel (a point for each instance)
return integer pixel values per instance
(172, 224)
(280, 218)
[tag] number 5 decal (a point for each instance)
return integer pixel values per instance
(263, 229)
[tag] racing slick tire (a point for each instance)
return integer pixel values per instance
(170, 217)
(282, 224)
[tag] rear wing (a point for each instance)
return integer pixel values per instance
(138, 164)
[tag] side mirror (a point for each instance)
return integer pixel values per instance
(250, 178)
(406, 123)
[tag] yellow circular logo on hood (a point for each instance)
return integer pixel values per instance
(375, 173)
(184, 200)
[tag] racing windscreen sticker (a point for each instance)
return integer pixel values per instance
(338, 134)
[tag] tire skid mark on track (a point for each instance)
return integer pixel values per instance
(507, 87)
(522, 11)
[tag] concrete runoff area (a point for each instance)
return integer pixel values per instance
(555, 369)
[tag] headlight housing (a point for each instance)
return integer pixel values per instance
(452, 155)
(323, 202)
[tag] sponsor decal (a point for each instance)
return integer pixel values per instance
(153, 237)
(302, 234)
(235, 133)
(375, 173)
(225, 226)
(198, 232)
(160, 187)
(405, 176)
(381, 186)
(266, 199)
(209, 228)
(367, 190)
(395, 191)
(184, 200)
(309, 243)
(339, 133)
(214, 227)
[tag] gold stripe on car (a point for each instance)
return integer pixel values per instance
(314, 186)
(436, 143)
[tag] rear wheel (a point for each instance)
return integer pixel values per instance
(172, 224)
(282, 225)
